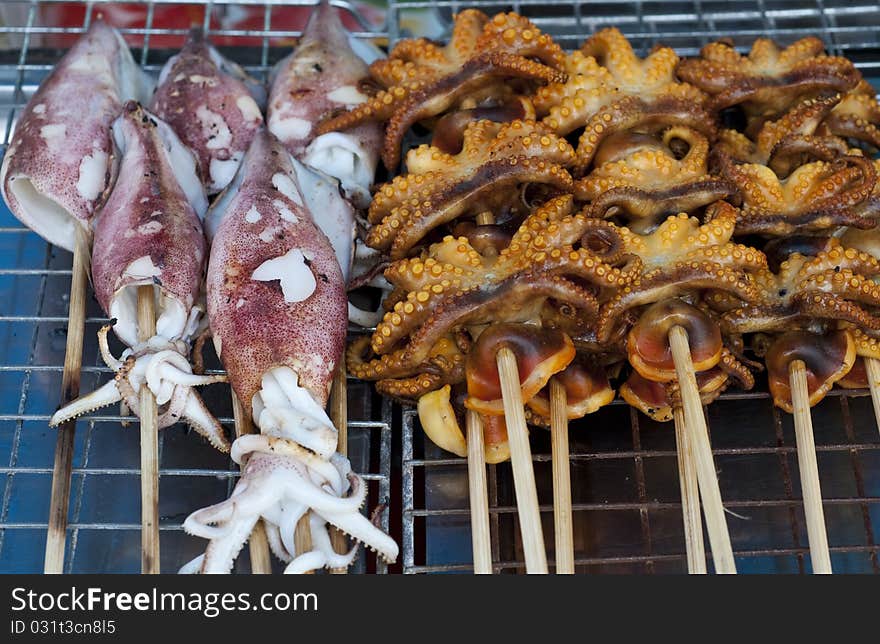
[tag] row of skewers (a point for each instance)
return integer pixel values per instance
(118, 169)
(575, 223)
(587, 218)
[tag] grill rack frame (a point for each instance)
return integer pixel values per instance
(114, 544)
(431, 513)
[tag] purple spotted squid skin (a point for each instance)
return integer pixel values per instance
(68, 121)
(319, 78)
(254, 328)
(147, 214)
(212, 110)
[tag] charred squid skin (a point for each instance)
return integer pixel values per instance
(58, 166)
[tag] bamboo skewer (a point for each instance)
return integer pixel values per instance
(521, 460)
(149, 416)
(302, 538)
(479, 495)
(478, 491)
(690, 498)
(809, 468)
(56, 536)
(562, 514)
(339, 416)
(872, 370)
(698, 441)
(261, 562)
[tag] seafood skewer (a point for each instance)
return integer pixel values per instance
(149, 256)
(148, 413)
(690, 497)
(323, 75)
(261, 561)
(802, 367)
(521, 461)
(54, 172)
(278, 316)
(226, 103)
(698, 441)
(150, 233)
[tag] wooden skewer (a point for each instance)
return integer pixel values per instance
(56, 536)
(261, 562)
(302, 538)
(481, 540)
(479, 495)
(562, 514)
(521, 460)
(698, 441)
(690, 498)
(872, 369)
(339, 416)
(149, 417)
(809, 468)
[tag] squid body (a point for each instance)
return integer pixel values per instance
(212, 105)
(60, 160)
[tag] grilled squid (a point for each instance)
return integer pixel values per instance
(58, 164)
(149, 232)
(277, 305)
(212, 105)
(322, 76)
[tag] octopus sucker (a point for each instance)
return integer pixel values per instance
(641, 177)
(281, 344)
(495, 161)
(150, 233)
(833, 283)
(57, 168)
(404, 228)
(816, 196)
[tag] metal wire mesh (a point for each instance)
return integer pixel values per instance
(104, 528)
(626, 500)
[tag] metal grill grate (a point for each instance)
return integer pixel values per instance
(104, 529)
(626, 500)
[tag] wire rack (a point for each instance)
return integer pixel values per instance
(104, 515)
(625, 491)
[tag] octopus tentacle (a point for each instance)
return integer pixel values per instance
(514, 299)
(661, 284)
(816, 196)
(404, 227)
(633, 112)
(769, 78)
(436, 98)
